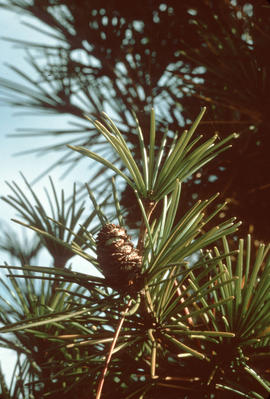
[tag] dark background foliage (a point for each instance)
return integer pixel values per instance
(119, 56)
(175, 56)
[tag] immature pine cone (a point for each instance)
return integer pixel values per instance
(119, 260)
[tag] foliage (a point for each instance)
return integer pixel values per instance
(198, 324)
(115, 57)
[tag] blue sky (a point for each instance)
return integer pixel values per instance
(12, 119)
(31, 166)
(10, 26)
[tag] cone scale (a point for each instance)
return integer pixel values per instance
(120, 262)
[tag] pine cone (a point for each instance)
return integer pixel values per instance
(119, 260)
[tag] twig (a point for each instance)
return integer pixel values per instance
(117, 332)
(149, 207)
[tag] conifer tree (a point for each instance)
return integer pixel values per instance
(173, 313)
(175, 56)
(180, 304)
